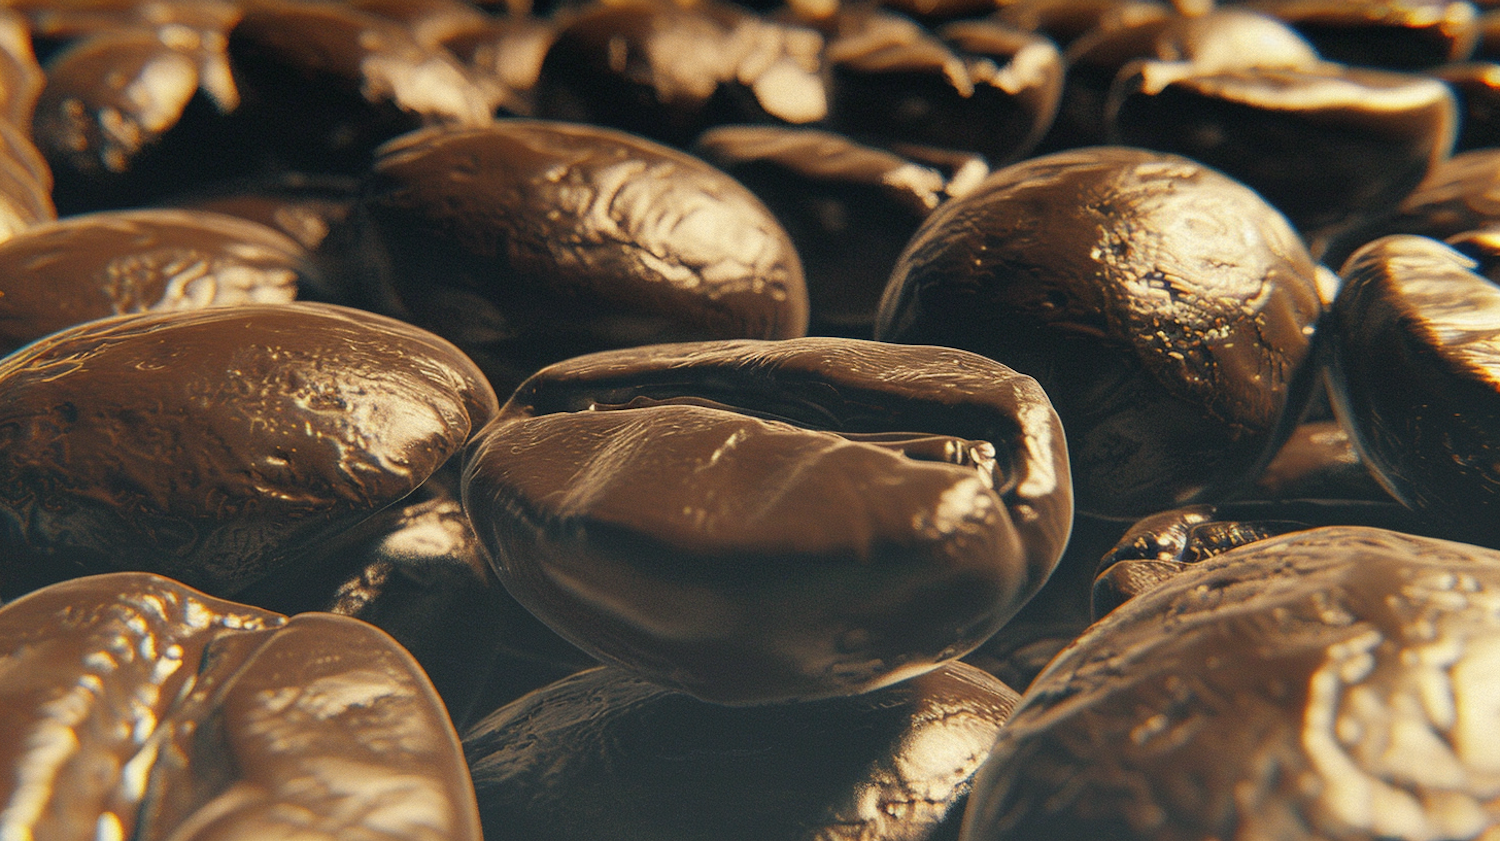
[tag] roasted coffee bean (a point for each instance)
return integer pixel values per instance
(136, 707)
(605, 754)
(1395, 34)
(97, 265)
(1166, 310)
(125, 114)
(526, 242)
(1413, 335)
(1231, 38)
(1162, 546)
(55, 23)
(971, 85)
(1332, 683)
(1326, 146)
(668, 71)
(219, 445)
(322, 85)
(848, 208)
(755, 522)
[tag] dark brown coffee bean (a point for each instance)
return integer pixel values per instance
(1318, 461)
(1413, 333)
(1395, 34)
(219, 445)
(1327, 146)
(139, 708)
(668, 71)
(109, 263)
(1166, 309)
(971, 85)
(1333, 683)
(891, 764)
(322, 85)
(126, 114)
(1066, 21)
(773, 520)
(527, 241)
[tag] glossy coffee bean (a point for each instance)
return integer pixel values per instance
(1164, 545)
(1166, 309)
(1333, 683)
(755, 522)
(1325, 145)
(136, 707)
(973, 85)
(668, 71)
(126, 114)
(1158, 548)
(892, 764)
(323, 84)
(1067, 21)
(97, 265)
(219, 445)
(1400, 35)
(1413, 331)
(529, 241)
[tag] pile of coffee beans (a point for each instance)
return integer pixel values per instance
(674, 420)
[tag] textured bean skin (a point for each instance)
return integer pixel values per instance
(97, 265)
(140, 708)
(1166, 310)
(764, 521)
(124, 445)
(888, 765)
(526, 242)
(1413, 361)
(1327, 684)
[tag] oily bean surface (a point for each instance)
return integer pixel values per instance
(1319, 653)
(124, 445)
(137, 707)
